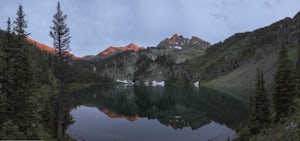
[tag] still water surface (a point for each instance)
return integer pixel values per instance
(127, 113)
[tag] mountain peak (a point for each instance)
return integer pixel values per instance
(178, 41)
(174, 38)
(113, 50)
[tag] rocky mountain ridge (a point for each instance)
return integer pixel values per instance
(113, 50)
(179, 42)
(153, 64)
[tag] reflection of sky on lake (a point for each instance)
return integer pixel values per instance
(92, 125)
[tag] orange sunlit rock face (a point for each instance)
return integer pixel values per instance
(46, 48)
(173, 39)
(111, 50)
(41, 46)
(178, 41)
(114, 115)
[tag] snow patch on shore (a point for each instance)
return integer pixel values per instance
(154, 83)
(178, 47)
(196, 84)
(124, 81)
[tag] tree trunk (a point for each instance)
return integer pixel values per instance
(60, 131)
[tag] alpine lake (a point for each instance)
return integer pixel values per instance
(146, 113)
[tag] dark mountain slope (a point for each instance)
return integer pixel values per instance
(234, 61)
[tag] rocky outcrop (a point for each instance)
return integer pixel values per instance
(113, 50)
(179, 42)
(120, 66)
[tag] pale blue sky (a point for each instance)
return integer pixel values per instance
(98, 24)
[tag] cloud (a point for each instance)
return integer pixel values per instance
(267, 3)
(218, 16)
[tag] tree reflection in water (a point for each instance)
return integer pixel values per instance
(175, 107)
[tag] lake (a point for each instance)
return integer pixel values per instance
(140, 113)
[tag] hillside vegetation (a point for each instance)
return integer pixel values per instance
(230, 63)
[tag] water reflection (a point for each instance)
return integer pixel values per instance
(61, 117)
(133, 113)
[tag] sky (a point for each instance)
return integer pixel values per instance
(97, 24)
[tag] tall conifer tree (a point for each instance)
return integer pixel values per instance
(22, 77)
(6, 53)
(297, 75)
(252, 122)
(284, 85)
(60, 34)
(61, 40)
(260, 114)
(262, 102)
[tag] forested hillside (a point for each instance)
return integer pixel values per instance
(231, 62)
(35, 84)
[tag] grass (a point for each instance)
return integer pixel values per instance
(244, 76)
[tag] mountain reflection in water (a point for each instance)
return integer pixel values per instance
(154, 113)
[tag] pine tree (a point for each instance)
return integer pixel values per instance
(262, 102)
(22, 77)
(60, 34)
(297, 75)
(260, 114)
(61, 40)
(5, 71)
(252, 122)
(283, 84)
